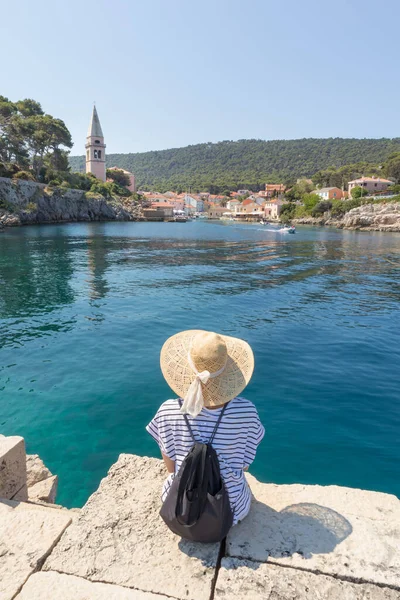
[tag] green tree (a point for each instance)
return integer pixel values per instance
(321, 208)
(287, 210)
(392, 166)
(29, 137)
(119, 177)
(358, 192)
(310, 201)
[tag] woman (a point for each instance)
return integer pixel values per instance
(208, 371)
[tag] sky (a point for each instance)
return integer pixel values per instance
(169, 73)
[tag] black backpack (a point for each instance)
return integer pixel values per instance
(197, 506)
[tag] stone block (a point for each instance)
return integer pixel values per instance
(36, 470)
(120, 538)
(27, 534)
(22, 495)
(44, 491)
(12, 465)
(56, 586)
(247, 580)
(349, 533)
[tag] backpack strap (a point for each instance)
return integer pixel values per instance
(187, 422)
(210, 441)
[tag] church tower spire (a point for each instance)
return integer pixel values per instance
(95, 148)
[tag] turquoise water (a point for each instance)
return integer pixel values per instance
(85, 308)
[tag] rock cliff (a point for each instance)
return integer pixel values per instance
(373, 217)
(369, 217)
(25, 202)
(298, 543)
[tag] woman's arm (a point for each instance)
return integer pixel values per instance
(170, 464)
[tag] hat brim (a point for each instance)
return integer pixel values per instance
(218, 390)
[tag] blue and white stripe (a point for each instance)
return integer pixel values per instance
(236, 441)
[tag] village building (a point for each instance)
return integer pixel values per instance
(373, 185)
(230, 205)
(196, 203)
(330, 193)
(177, 203)
(95, 148)
(158, 211)
(215, 212)
(274, 189)
(272, 208)
(248, 211)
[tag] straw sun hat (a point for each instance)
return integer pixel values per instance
(206, 368)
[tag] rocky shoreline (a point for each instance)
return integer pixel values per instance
(369, 217)
(26, 202)
(299, 542)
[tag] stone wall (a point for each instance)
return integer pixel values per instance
(25, 202)
(298, 542)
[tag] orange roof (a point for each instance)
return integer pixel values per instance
(247, 201)
(161, 205)
(275, 186)
(374, 179)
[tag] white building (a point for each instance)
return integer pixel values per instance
(196, 203)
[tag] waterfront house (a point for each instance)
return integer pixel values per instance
(248, 211)
(215, 212)
(158, 211)
(373, 185)
(272, 208)
(330, 193)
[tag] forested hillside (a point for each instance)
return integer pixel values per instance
(245, 163)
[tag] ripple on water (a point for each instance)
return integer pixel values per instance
(85, 309)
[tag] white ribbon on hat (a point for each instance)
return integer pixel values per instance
(193, 401)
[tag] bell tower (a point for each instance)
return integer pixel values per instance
(95, 148)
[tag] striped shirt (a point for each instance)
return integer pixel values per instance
(235, 442)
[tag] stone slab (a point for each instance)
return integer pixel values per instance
(45, 490)
(120, 538)
(12, 465)
(27, 534)
(334, 530)
(247, 580)
(36, 470)
(56, 586)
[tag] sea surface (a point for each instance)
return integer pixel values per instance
(85, 309)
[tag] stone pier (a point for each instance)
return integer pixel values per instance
(298, 542)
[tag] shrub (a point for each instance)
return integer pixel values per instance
(118, 177)
(288, 210)
(310, 201)
(109, 189)
(300, 212)
(31, 207)
(321, 208)
(26, 175)
(358, 192)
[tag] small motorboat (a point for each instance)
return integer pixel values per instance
(287, 229)
(292, 229)
(264, 222)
